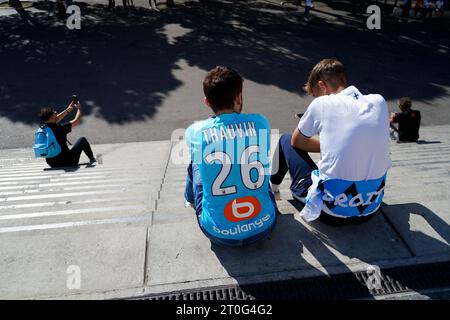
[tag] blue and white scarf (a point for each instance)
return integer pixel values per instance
(342, 198)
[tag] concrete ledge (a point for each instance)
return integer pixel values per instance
(139, 239)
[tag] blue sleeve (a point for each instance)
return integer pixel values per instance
(188, 137)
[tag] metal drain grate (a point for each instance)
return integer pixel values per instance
(341, 286)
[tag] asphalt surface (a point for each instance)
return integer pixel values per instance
(139, 72)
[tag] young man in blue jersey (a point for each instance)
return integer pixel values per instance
(228, 178)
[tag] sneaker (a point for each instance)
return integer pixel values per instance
(92, 161)
(187, 204)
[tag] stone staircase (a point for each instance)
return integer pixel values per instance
(124, 224)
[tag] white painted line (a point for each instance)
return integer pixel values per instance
(19, 187)
(74, 181)
(118, 187)
(4, 172)
(69, 212)
(16, 159)
(74, 224)
(27, 205)
(69, 177)
(97, 177)
(57, 173)
(43, 185)
(10, 193)
(8, 183)
(56, 203)
(23, 179)
(59, 195)
(21, 172)
(28, 165)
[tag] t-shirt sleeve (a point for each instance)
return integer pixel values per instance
(310, 123)
(66, 127)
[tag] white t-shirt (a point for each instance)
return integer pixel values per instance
(354, 134)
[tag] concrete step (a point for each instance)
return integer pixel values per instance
(94, 218)
(124, 185)
(126, 216)
(419, 173)
(68, 215)
(48, 206)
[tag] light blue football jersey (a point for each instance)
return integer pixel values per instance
(232, 152)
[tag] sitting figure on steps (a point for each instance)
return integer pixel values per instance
(66, 157)
(348, 183)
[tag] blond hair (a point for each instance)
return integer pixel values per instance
(331, 71)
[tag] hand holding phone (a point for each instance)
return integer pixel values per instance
(75, 100)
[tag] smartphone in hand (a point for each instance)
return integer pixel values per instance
(74, 99)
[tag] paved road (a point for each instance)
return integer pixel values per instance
(139, 73)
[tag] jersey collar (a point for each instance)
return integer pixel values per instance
(351, 91)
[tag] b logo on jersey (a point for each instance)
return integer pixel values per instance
(241, 209)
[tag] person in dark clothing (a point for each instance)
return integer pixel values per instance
(408, 122)
(406, 6)
(67, 157)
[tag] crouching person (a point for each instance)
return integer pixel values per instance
(353, 129)
(65, 157)
(228, 178)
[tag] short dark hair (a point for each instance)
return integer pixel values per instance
(46, 113)
(404, 103)
(331, 71)
(221, 86)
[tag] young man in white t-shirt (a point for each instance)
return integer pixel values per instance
(353, 142)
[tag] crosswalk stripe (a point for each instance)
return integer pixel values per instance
(69, 212)
(146, 217)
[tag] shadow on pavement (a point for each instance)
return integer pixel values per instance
(411, 219)
(71, 169)
(427, 142)
(27, 19)
(294, 246)
(122, 65)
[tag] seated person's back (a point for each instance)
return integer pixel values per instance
(350, 125)
(232, 154)
(347, 185)
(228, 179)
(408, 121)
(408, 125)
